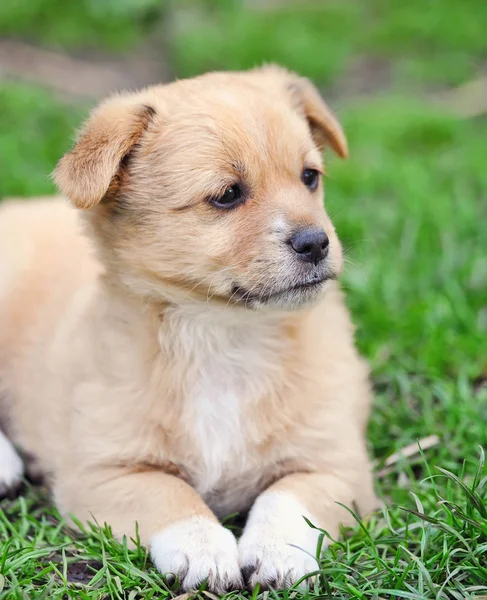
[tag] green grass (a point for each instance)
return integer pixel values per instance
(36, 129)
(434, 547)
(410, 206)
(426, 41)
(85, 24)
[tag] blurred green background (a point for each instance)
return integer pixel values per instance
(405, 78)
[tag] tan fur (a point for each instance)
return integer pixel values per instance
(110, 364)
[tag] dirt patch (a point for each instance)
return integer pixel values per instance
(83, 571)
(75, 77)
(365, 75)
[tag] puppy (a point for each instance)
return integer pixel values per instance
(191, 355)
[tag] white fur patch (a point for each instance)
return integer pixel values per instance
(11, 467)
(228, 362)
(216, 409)
(278, 547)
(279, 225)
(196, 549)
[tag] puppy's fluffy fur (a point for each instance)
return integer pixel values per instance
(180, 362)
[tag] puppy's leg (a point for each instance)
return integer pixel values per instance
(11, 467)
(185, 538)
(278, 547)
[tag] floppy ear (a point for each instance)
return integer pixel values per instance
(324, 126)
(304, 96)
(85, 173)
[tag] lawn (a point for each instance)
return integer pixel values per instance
(411, 208)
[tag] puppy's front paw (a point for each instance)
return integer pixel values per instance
(11, 468)
(197, 549)
(274, 563)
(277, 547)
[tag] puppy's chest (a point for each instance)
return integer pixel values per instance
(226, 374)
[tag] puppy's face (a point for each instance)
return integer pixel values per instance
(211, 189)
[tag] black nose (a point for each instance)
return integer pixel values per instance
(311, 244)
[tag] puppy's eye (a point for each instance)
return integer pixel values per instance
(230, 198)
(310, 178)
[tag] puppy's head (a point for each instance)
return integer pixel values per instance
(210, 189)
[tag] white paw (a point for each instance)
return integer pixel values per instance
(277, 547)
(197, 549)
(11, 467)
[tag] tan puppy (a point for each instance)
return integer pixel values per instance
(203, 362)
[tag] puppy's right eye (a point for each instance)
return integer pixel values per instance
(230, 198)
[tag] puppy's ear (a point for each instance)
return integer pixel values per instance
(325, 128)
(85, 173)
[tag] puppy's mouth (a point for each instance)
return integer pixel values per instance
(296, 293)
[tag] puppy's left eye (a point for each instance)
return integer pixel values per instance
(310, 178)
(230, 198)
